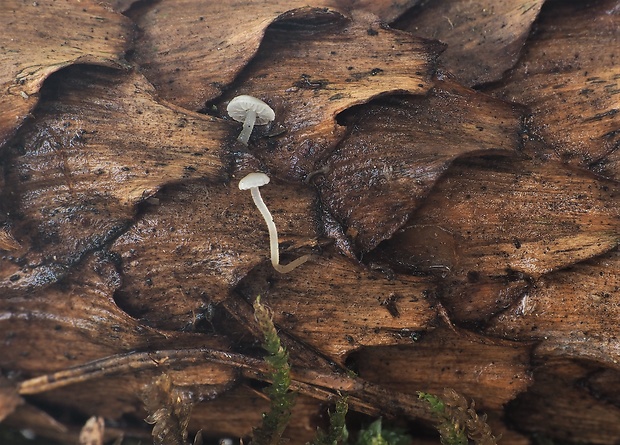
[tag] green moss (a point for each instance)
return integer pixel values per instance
(337, 432)
(376, 434)
(458, 420)
(281, 398)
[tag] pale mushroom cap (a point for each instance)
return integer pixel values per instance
(238, 107)
(253, 180)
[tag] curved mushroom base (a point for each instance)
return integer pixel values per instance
(292, 265)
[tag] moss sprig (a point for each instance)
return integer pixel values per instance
(169, 410)
(281, 398)
(458, 420)
(337, 432)
(376, 434)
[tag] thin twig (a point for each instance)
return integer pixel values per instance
(363, 396)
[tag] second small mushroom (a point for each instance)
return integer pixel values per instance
(251, 111)
(252, 182)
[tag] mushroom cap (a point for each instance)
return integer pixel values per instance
(252, 180)
(238, 107)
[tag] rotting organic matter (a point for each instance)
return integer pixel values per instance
(467, 231)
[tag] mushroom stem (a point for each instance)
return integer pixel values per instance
(273, 236)
(248, 126)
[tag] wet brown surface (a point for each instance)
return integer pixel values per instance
(31, 50)
(569, 76)
(460, 237)
(484, 37)
(399, 148)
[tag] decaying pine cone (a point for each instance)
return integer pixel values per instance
(452, 167)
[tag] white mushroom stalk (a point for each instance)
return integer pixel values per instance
(252, 182)
(251, 111)
(248, 126)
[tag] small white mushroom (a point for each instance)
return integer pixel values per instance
(252, 182)
(250, 111)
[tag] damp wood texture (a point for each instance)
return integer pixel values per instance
(451, 169)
